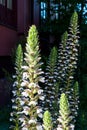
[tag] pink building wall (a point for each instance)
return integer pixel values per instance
(8, 36)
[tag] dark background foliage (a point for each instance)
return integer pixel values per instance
(56, 27)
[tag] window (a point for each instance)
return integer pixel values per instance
(56, 11)
(8, 12)
(9, 4)
(53, 13)
(84, 12)
(2, 2)
(43, 10)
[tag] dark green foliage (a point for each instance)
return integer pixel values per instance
(4, 118)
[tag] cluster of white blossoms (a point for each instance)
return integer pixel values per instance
(51, 86)
(62, 56)
(67, 65)
(16, 91)
(32, 93)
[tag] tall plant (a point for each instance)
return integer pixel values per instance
(67, 64)
(51, 86)
(32, 92)
(62, 58)
(68, 54)
(72, 57)
(64, 114)
(16, 104)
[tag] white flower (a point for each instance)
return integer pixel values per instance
(51, 77)
(11, 119)
(23, 123)
(59, 129)
(50, 105)
(41, 98)
(42, 79)
(72, 127)
(71, 77)
(70, 97)
(74, 63)
(33, 103)
(56, 73)
(24, 128)
(63, 75)
(74, 49)
(21, 119)
(39, 127)
(47, 100)
(25, 94)
(49, 92)
(14, 107)
(60, 120)
(19, 112)
(25, 112)
(54, 80)
(52, 97)
(25, 107)
(21, 89)
(39, 110)
(40, 72)
(22, 102)
(25, 83)
(40, 91)
(32, 121)
(13, 76)
(40, 115)
(11, 114)
(24, 67)
(25, 75)
(18, 99)
(70, 65)
(15, 83)
(50, 84)
(12, 100)
(32, 85)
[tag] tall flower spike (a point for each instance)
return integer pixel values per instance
(72, 47)
(72, 57)
(62, 58)
(32, 92)
(64, 118)
(16, 106)
(47, 121)
(51, 87)
(72, 52)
